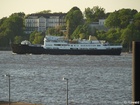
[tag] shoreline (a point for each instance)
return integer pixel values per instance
(16, 103)
(5, 49)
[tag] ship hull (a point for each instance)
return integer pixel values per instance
(26, 49)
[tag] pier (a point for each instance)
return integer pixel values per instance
(136, 72)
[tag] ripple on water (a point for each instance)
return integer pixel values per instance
(93, 80)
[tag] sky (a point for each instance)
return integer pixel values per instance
(7, 7)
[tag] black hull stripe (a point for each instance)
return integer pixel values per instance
(25, 49)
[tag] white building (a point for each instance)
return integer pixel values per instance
(101, 22)
(40, 22)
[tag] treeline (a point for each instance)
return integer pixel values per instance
(123, 27)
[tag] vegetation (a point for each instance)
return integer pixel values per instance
(123, 26)
(57, 31)
(94, 14)
(74, 18)
(36, 37)
(125, 23)
(11, 27)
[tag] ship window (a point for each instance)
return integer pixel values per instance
(57, 45)
(64, 44)
(49, 45)
(98, 45)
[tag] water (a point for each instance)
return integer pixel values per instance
(93, 80)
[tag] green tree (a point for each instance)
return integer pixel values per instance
(113, 20)
(94, 14)
(77, 32)
(125, 16)
(32, 36)
(36, 38)
(44, 12)
(113, 35)
(120, 18)
(50, 31)
(2, 21)
(82, 36)
(18, 39)
(73, 18)
(137, 16)
(101, 35)
(127, 38)
(137, 21)
(130, 34)
(99, 13)
(85, 30)
(11, 27)
(89, 15)
(20, 14)
(57, 31)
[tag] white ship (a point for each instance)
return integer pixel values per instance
(59, 45)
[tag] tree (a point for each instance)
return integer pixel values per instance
(51, 31)
(2, 21)
(99, 13)
(125, 16)
(82, 36)
(94, 14)
(113, 20)
(20, 14)
(83, 30)
(130, 34)
(101, 35)
(18, 39)
(137, 21)
(57, 31)
(36, 38)
(120, 18)
(113, 35)
(89, 15)
(44, 12)
(11, 27)
(73, 18)
(127, 38)
(137, 16)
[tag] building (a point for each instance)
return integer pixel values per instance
(40, 22)
(101, 22)
(99, 25)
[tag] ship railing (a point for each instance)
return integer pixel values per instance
(112, 44)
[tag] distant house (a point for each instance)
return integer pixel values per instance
(101, 22)
(99, 25)
(40, 22)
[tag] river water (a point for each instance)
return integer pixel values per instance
(93, 80)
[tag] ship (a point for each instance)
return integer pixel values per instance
(59, 45)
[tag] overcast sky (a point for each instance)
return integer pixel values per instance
(7, 7)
